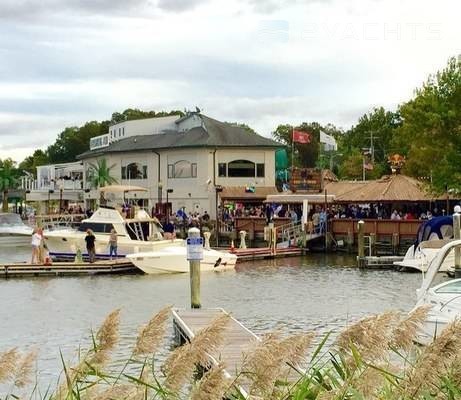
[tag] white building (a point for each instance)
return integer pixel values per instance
(56, 181)
(189, 159)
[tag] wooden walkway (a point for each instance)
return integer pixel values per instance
(67, 268)
(256, 253)
(237, 339)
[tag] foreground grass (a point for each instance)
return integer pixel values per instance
(373, 359)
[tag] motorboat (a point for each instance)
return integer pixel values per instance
(444, 298)
(431, 237)
(174, 260)
(13, 229)
(138, 232)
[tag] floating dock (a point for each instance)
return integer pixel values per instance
(119, 266)
(380, 262)
(238, 339)
(257, 253)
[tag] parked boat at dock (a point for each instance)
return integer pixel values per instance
(432, 236)
(13, 230)
(444, 298)
(140, 233)
(173, 259)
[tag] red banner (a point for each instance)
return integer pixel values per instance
(301, 137)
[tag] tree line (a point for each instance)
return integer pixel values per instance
(426, 130)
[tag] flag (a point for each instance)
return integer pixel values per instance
(301, 137)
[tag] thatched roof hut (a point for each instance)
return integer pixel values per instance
(392, 188)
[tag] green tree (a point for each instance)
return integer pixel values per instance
(8, 180)
(305, 155)
(30, 164)
(135, 113)
(430, 135)
(99, 176)
(248, 128)
(379, 124)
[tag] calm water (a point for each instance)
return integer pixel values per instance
(316, 292)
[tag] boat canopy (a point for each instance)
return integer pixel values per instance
(435, 228)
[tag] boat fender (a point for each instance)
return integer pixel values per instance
(218, 262)
(48, 260)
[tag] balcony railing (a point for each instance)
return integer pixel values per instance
(45, 184)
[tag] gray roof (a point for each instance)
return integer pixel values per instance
(213, 134)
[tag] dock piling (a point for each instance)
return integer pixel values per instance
(361, 244)
(194, 255)
(457, 236)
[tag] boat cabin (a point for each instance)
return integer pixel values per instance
(140, 227)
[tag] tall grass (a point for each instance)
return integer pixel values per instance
(375, 358)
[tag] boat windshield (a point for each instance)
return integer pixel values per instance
(451, 287)
(95, 227)
(10, 220)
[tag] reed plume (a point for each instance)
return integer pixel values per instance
(8, 363)
(371, 336)
(212, 386)
(95, 358)
(263, 367)
(151, 335)
(180, 365)
(434, 362)
(107, 334)
(406, 330)
(25, 369)
(118, 392)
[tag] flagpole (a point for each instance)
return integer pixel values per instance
(292, 149)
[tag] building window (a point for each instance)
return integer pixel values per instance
(134, 171)
(182, 169)
(222, 170)
(241, 169)
(260, 170)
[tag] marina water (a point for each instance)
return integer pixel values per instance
(317, 292)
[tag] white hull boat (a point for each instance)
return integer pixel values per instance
(174, 260)
(432, 236)
(138, 234)
(444, 299)
(13, 231)
(419, 259)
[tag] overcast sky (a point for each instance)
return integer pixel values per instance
(262, 62)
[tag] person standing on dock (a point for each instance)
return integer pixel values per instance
(113, 243)
(36, 242)
(90, 247)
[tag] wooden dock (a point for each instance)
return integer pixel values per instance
(256, 253)
(119, 266)
(237, 338)
(380, 262)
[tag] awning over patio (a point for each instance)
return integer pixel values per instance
(246, 194)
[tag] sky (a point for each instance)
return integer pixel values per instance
(260, 62)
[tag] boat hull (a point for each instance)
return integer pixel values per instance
(66, 244)
(174, 260)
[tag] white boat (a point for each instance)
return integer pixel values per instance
(138, 234)
(444, 298)
(174, 260)
(13, 230)
(432, 236)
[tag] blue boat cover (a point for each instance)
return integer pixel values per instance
(433, 226)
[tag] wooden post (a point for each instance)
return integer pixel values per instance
(457, 236)
(361, 245)
(372, 244)
(350, 240)
(395, 243)
(194, 266)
